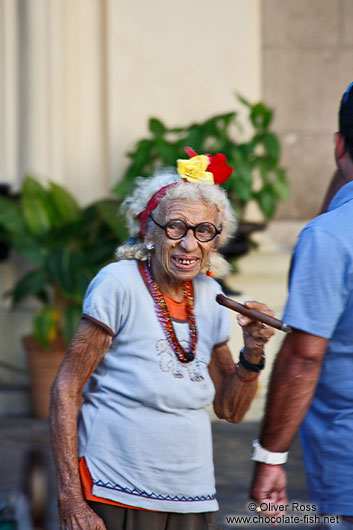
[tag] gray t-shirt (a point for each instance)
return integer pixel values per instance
(143, 428)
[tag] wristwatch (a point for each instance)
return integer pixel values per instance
(260, 454)
(252, 366)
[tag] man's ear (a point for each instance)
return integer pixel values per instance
(340, 149)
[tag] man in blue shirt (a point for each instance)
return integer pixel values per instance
(312, 379)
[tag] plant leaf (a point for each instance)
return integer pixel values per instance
(36, 207)
(211, 126)
(65, 207)
(97, 256)
(241, 184)
(261, 116)
(64, 265)
(11, 217)
(195, 137)
(271, 144)
(31, 284)
(167, 152)
(156, 127)
(108, 210)
(280, 185)
(30, 249)
(72, 317)
(142, 154)
(266, 201)
(243, 100)
(124, 186)
(45, 325)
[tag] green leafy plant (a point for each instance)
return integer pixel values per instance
(65, 246)
(257, 176)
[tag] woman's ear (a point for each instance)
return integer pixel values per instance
(215, 245)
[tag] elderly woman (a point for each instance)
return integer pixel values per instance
(152, 345)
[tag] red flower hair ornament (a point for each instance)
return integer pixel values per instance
(210, 169)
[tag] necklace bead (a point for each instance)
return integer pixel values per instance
(184, 356)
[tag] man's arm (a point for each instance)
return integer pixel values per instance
(86, 351)
(293, 382)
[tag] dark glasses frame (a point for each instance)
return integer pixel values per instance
(187, 228)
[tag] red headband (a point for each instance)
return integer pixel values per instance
(151, 205)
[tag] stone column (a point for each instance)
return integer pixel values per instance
(52, 93)
(8, 91)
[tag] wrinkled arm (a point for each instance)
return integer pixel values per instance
(88, 347)
(293, 382)
(233, 396)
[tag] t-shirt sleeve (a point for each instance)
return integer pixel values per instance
(222, 320)
(317, 296)
(104, 301)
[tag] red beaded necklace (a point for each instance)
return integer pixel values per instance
(184, 356)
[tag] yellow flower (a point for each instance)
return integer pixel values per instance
(194, 169)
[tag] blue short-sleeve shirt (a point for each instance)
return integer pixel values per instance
(320, 302)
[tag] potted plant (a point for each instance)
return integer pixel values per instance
(255, 157)
(64, 245)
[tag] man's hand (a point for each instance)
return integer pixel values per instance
(79, 517)
(269, 488)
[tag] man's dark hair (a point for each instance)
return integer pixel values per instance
(346, 119)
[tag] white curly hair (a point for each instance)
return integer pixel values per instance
(146, 187)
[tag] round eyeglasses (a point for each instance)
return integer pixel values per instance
(177, 229)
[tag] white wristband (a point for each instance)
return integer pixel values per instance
(260, 454)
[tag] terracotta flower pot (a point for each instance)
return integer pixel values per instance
(43, 364)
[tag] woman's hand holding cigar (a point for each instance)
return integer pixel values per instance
(258, 323)
(249, 310)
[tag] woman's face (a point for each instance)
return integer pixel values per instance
(182, 259)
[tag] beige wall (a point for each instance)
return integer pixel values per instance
(307, 64)
(52, 55)
(81, 78)
(180, 61)
(78, 81)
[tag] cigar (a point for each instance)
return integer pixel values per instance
(253, 313)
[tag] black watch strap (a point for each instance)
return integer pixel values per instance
(251, 366)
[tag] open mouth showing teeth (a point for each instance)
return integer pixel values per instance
(185, 261)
